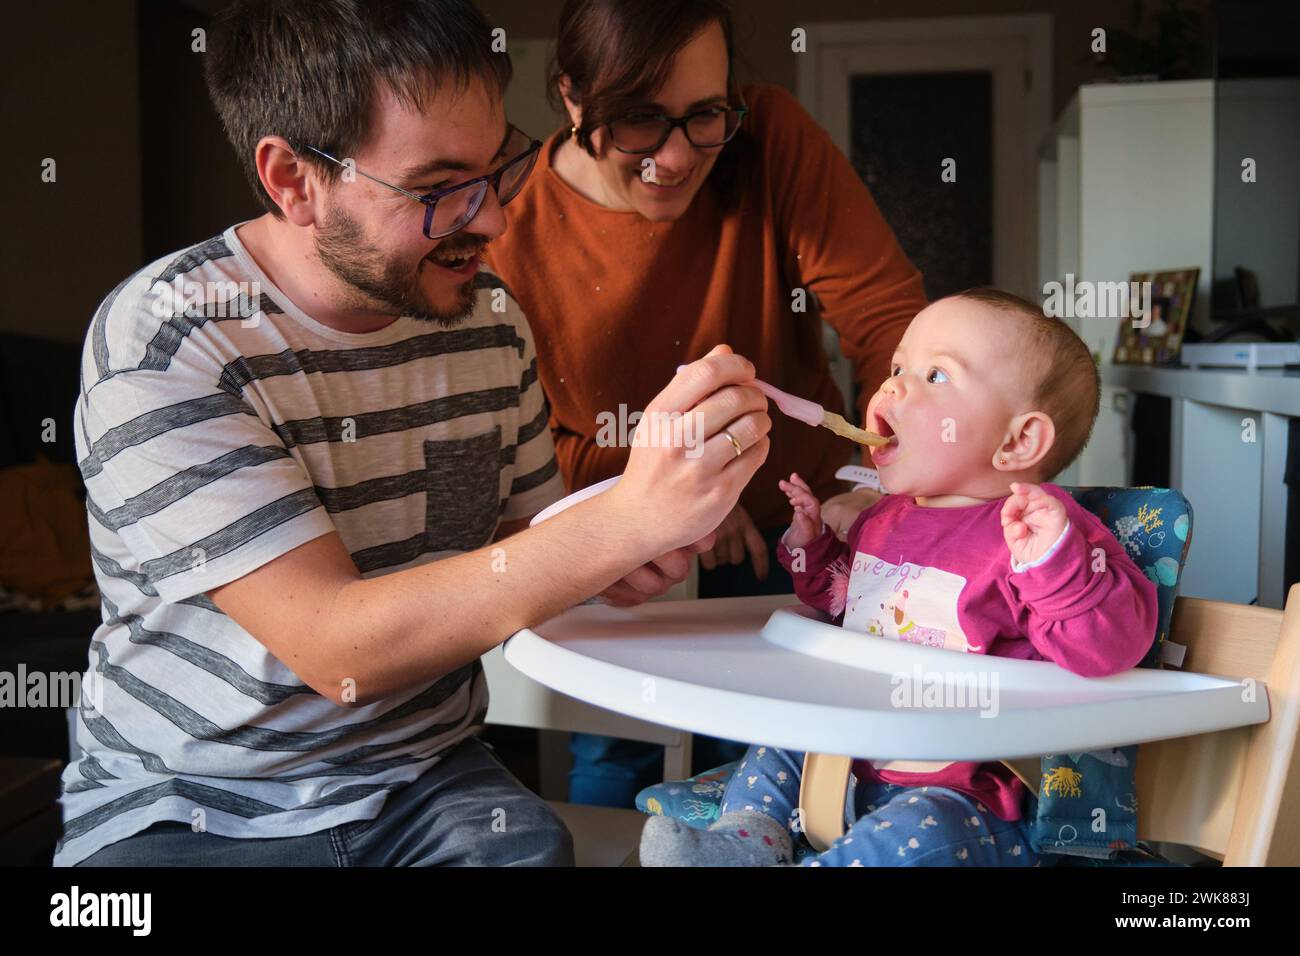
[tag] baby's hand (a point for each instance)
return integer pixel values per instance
(1032, 520)
(807, 522)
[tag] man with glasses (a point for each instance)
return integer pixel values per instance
(309, 475)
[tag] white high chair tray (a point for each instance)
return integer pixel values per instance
(768, 670)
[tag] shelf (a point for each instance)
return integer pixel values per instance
(1265, 390)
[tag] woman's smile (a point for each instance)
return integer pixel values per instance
(662, 184)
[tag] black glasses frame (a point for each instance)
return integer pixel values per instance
(481, 183)
(679, 122)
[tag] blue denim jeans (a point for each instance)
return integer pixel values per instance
(465, 810)
(610, 772)
(888, 825)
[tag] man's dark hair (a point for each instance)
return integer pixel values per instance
(308, 70)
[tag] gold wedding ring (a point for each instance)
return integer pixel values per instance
(734, 444)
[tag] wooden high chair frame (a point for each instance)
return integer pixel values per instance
(1233, 795)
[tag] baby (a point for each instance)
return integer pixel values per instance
(986, 395)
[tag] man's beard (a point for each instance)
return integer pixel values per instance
(344, 251)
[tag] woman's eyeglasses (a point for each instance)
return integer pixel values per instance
(646, 133)
(453, 208)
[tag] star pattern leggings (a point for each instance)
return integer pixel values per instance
(892, 825)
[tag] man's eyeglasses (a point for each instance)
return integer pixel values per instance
(453, 208)
(646, 132)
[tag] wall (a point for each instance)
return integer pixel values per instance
(1256, 222)
(194, 187)
(763, 28)
(71, 93)
(81, 235)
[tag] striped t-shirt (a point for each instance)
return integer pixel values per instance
(219, 427)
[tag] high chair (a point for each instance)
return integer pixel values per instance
(1229, 794)
(1233, 795)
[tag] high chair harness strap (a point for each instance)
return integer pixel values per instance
(822, 793)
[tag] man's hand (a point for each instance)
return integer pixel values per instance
(1032, 521)
(673, 494)
(657, 577)
(736, 535)
(840, 511)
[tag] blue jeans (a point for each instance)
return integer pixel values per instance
(465, 810)
(889, 825)
(610, 772)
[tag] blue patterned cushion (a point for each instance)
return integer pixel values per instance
(1087, 802)
(1154, 525)
(694, 801)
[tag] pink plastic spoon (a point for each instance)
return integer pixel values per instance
(809, 412)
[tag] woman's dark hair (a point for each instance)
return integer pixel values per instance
(308, 70)
(617, 53)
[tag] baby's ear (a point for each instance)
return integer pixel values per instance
(1030, 436)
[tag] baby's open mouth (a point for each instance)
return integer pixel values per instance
(883, 453)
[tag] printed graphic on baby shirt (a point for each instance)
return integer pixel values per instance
(905, 602)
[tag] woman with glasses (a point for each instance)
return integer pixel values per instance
(677, 210)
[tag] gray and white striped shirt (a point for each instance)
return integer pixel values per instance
(219, 427)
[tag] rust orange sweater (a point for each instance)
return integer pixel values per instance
(617, 302)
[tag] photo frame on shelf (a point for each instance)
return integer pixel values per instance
(1172, 294)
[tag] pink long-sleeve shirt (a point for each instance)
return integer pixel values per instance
(944, 577)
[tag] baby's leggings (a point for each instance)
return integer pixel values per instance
(892, 825)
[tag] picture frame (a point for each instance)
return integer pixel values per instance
(1173, 292)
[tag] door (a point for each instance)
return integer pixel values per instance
(943, 118)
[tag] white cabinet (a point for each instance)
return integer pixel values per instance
(1228, 446)
(1128, 172)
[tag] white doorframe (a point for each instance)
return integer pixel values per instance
(1017, 50)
